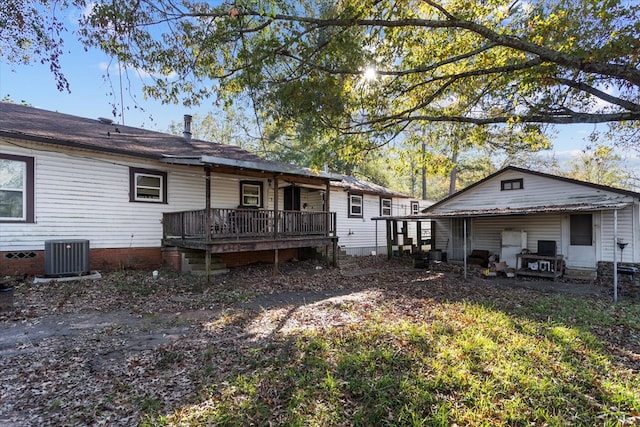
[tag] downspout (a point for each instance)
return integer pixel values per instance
(615, 261)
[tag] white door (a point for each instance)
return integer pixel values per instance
(582, 241)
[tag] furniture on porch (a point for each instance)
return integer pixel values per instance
(544, 263)
(479, 257)
(548, 266)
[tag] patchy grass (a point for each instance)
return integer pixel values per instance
(452, 363)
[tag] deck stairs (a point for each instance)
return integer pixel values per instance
(345, 261)
(194, 262)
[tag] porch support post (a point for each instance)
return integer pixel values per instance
(465, 247)
(615, 261)
(327, 222)
(276, 213)
(207, 213)
(327, 207)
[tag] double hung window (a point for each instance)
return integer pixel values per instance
(251, 194)
(355, 206)
(147, 186)
(385, 207)
(16, 189)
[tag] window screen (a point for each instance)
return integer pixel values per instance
(581, 230)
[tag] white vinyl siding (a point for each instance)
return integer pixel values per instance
(361, 236)
(626, 231)
(82, 197)
(538, 191)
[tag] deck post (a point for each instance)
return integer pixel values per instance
(275, 262)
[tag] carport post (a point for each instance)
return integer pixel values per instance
(465, 247)
(615, 261)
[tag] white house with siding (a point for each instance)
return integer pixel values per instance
(143, 198)
(591, 225)
(356, 203)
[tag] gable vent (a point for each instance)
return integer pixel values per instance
(66, 258)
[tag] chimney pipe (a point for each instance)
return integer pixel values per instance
(187, 127)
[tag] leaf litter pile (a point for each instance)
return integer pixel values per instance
(128, 349)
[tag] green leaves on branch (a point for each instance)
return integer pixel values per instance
(555, 61)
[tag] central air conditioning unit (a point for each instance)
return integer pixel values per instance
(66, 258)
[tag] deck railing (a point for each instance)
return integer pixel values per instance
(248, 223)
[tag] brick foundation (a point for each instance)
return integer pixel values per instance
(627, 284)
(31, 263)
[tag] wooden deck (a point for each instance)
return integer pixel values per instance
(241, 230)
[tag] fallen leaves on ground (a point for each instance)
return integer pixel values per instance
(105, 352)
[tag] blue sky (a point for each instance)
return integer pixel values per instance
(92, 96)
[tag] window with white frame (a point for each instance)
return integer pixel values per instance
(355, 206)
(385, 207)
(147, 186)
(415, 208)
(251, 194)
(16, 189)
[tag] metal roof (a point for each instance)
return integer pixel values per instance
(471, 213)
(351, 183)
(261, 165)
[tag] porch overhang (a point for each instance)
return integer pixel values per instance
(265, 166)
(583, 207)
(497, 212)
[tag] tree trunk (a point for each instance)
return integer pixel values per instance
(454, 171)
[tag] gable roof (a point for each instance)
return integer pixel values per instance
(58, 129)
(357, 185)
(598, 203)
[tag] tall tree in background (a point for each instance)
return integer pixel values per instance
(600, 165)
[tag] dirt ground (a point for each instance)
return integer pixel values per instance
(93, 352)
